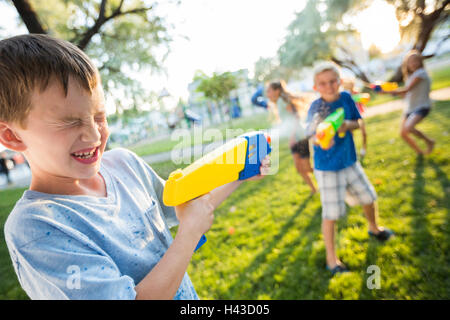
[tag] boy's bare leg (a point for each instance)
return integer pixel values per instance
(328, 231)
(370, 210)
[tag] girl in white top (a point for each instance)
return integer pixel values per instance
(418, 103)
(298, 141)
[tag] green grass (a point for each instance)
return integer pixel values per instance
(277, 250)
(376, 99)
(9, 285)
(441, 78)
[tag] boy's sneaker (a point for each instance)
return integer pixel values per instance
(337, 269)
(383, 235)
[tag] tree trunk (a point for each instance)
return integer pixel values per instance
(28, 16)
(351, 65)
(426, 29)
(427, 25)
(398, 75)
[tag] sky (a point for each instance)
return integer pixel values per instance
(218, 35)
(224, 36)
(384, 35)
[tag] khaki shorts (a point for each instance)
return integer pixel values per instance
(347, 185)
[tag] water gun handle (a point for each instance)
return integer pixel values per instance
(200, 242)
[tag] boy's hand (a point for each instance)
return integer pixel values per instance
(263, 170)
(343, 128)
(196, 215)
(316, 143)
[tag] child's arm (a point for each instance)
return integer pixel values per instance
(404, 90)
(219, 194)
(163, 281)
(348, 125)
(195, 217)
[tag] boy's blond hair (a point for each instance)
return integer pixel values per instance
(326, 67)
(30, 62)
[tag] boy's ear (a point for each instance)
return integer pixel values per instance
(10, 139)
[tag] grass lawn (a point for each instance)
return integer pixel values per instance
(441, 78)
(277, 250)
(9, 285)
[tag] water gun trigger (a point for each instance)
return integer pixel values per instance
(341, 134)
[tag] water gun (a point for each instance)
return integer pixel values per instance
(238, 159)
(379, 86)
(361, 98)
(327, 129)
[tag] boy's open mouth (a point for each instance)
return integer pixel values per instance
(86, 155)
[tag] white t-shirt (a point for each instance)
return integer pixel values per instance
(85, 247)
(419, 96)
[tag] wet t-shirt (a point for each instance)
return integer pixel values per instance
(86, 247)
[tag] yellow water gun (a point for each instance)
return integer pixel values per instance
(237, 159)
(379, 86)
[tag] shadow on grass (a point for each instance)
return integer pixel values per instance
(445, 184)
(371, 259)
(444, 244)
(284, 287)
(422, 241)
(305, 277)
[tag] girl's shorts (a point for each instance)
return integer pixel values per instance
(421, 112)
(302, 148)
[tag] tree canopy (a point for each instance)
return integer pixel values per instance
(121, 36)
(216, 87)
(318, 32)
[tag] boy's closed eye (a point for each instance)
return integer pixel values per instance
(72, 122)
(65, 123)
